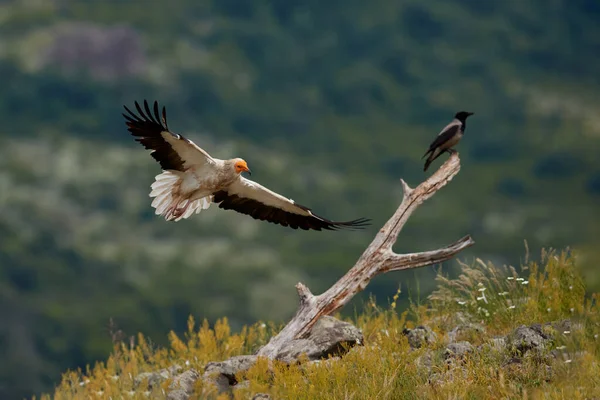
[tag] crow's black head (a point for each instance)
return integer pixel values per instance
(462, 115)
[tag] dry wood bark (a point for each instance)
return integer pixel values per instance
(377, 259)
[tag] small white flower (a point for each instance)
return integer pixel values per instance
(524, 282)
(481, 289)
(561, 347)
(512, 307)
(146, 393)
(510, 278)
(572, 310)
(484, 311)
(115, 377)
(566, 332)
(503, 294)
(570, 287)
(263, 325)
(520, 279)
(462, 303)
(596, 336)
(187, 362)
(548, 309)
(85, 382)
(131, 393)
(568, 361)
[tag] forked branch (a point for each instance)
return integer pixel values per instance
(377, 259)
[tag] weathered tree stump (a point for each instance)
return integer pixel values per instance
(378, 258)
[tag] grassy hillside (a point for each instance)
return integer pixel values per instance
(386, 366)
(330, 103)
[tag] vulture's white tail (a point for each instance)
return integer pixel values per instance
(169, 203)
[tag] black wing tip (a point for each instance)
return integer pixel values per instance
(146, 114)
(356, 224)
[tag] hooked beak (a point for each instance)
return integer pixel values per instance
(248, 171)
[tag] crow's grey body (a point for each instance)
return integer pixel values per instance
(447, 138)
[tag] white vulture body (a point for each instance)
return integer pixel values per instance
(192, 180)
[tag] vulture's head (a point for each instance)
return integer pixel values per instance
(241, 166)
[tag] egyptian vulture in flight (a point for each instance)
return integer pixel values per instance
(191, 180)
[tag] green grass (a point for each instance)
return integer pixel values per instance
(499, 299)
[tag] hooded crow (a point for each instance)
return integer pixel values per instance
(447, 138)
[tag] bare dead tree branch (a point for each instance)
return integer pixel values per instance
(377, 259)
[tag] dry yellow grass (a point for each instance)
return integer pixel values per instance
(386, 368)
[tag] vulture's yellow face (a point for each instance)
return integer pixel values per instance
(241, 166)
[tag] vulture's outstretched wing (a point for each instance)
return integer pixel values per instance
(250, 198)
(171, 150)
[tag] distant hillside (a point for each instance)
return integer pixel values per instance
(330, 103)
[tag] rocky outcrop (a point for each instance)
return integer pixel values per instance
(457, 350)
(329, 338)
(420, 336)
(154, 379)
(528, 338)
(222, 374)
(183, 385)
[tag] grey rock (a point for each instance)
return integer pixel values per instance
(231, 366)
(426, 360)
(528, 338)
(183, 385)
(498, 343)
(329, 336)
(242, 385)
(178, 394)
(457, 350)
(223, 373)
(495, 345)
(156, 378)
(420, 336)
(261, 396)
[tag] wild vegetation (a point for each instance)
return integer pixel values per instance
(494, 300)
(330, 102)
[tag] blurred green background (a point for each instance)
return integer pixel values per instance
(330, 102)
